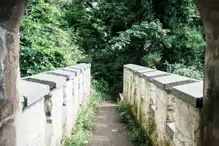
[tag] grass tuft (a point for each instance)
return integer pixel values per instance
(139, 136)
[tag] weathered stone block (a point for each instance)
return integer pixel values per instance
(132, 67)
(52, 80)
(128, 66)
(167, 82)
(161, 113)
(143, 70)
(190, 93)
(82, 69)
(187, 124)
(154, 74)
(76, 71)
(82, 65)
(67, 74)
(32, 92)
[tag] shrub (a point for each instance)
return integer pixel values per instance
(45, 44)
(185, 45)
(183, 70)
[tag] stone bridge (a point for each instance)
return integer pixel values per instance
(11, 12)
(168, 106)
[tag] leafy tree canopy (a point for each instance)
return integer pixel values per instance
(166, 35)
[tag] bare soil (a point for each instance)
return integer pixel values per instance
(108, 129)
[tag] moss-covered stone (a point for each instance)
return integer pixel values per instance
(152, 134)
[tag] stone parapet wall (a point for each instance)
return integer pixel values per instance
(168, 106)
(51, 102)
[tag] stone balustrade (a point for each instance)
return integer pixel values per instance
(51, 102)
(168, 106)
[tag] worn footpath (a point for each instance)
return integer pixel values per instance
(108, 129)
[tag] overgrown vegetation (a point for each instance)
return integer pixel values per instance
(46, 42)
(139, 136)
(166, 35)
(83, 128)
(145, 32)
(144, 134)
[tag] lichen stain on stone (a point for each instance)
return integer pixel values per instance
(3, 52)
(150, 128)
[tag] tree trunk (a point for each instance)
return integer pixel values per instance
(11, 12)
(209, 10)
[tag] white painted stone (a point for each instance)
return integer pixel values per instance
(49, 134)
(69, 115)
(69, 87)
(34, 93)
(76, 96)
(57, 103)
(32, 126)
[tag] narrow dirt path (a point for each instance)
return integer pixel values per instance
(108, 129)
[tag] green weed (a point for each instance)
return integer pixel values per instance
(139, 136)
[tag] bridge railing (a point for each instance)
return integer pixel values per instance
(168, 106)
(51, 102)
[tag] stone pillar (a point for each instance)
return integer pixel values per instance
(209, 10)
(11, 12)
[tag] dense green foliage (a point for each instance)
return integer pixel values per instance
(139, 136)
(45, 41)
(165, 35)
(83, 128)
